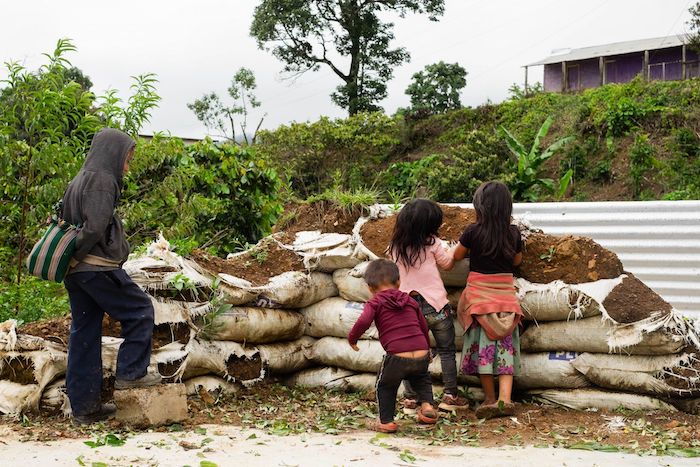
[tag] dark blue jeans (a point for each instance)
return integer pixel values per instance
(441, 324)
(92, 294)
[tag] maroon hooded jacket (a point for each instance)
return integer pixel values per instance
(401, 325)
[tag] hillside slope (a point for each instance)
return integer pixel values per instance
(637, 140)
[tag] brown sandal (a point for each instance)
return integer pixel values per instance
(429, 417)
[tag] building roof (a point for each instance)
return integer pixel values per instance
(616, 48)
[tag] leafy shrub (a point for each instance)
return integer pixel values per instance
(404, 178)
(307, 154)
(34, 298)
(529, 184)
(641, 161)
(216, 196)
(602, 172)
(455, 176)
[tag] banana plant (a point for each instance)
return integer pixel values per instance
(529, 184)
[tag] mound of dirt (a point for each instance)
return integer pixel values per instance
(376, 234)
(633, 301)
(58, 330)
(574, 260)
(324, 216)
(257, 265)
(54, 330)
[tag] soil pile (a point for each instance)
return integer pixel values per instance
(58, 330)
(323, 215)
(574, 260)
(256, 265)
(54, 330)
(633, 301)
(376, 234)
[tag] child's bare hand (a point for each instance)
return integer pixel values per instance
(355, 347)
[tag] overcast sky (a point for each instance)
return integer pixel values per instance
(196, 46)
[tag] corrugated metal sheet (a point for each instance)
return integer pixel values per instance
(658, 241)
(616, 48)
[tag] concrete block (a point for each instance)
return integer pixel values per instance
(152, 406)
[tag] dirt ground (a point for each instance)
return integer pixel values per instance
(224, 445)
(285, 416)
(257, 266)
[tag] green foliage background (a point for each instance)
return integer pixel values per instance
(216, 196)
(637, 140)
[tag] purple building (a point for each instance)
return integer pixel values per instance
(661, 58)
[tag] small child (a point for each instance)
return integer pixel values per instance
(488, 308)
(419, 254)
(403, 333)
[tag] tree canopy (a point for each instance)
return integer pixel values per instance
(346, 36)
(437, 87)
(211, 111)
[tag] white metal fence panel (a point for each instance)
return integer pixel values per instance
(658, 241)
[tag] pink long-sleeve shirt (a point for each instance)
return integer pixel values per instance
(425, 278)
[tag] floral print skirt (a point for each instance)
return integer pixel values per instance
(482, 356)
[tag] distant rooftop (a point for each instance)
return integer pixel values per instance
(616, 48)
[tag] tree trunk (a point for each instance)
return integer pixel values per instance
(353, 76)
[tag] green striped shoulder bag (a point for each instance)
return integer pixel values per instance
(51, 256)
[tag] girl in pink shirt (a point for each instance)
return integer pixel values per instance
(419, 254)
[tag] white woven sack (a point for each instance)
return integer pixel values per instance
(257, 325)
(582, 399)
(292, 289)
(549, 370)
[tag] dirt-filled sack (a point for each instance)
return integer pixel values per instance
(28, 364)
(286, 357)
(549, 370)
(598, 335)
(256, 325)
(213, 385)
(666, 375)
(570, 259)
(558, 301)
(229, 360)
(54, 400)
(334, 317)
(334, 351)
(268, 275)
(351, 283)
(325, 252)
(582, 399)
(161, 269)
(324, 377)
(293, 289)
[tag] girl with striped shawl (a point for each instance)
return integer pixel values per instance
(488, 308)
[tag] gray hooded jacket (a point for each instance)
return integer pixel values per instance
(91, 199)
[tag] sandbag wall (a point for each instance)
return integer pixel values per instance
(593, 336)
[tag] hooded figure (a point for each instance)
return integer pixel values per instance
(91, 199)
(97, 284)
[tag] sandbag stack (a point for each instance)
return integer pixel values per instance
(594, 336)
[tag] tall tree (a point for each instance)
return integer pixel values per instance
(211, 111)
(347, 36)
(437, 87)
(693, 36)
